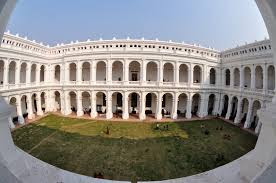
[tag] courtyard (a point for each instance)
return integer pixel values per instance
(133, 150)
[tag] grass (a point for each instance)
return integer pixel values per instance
(133, 151)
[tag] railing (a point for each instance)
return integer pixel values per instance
(168, 83)
(152, 83)
(117, 82)
(134, 82)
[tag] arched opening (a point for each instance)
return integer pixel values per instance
(73, 102)
(134, 107)
(2, 64)
(73, 72)
(259, 77)
(167, 105)
(42, 73)
(117, 71)
(101, 71)
(183, 73)
(234, 108)
(86, 71)
(271, 77)
(57, 73)
(23, 71)
(168, 73)
(14, 115)
(86, 103)
(12, 67)
(34, 103)
(236, 77)
(255, 118)
(151, 105)
(101, 104)
(211, 104)
(247, 77)
(212, 76)
(152, 71)
(134, 71)
(24, 106)
(197, 74)
(227, 77)
(43, 101)
(225, 106)
(195, 104)
(244, 110)
(182, 105)
(33, 73)
(117, 104)
(57, 101)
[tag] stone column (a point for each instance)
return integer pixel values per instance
(258, 127)
(109, 113)
(238, 116)
(142, 115)
(216, 105)
(191, 75)
(67, 73)
(62, 103)
(205, 76)
(160, 73)
(79, 104)
(93, 72)
(253, 77)
(125, 106)
(265, 79)
(176, 74)
(126, 72)
(17, 73)
(28, 74)
(19, 110)
(159, 99)
(231, 77)
(109, 72)
(241, 78)
(6, 73)
(229, 110)
(37, 74)
(189, 106)
(94, 113)
(30, 107)
(221, 106)
(38, 105)
(79, 72)
(175, 106)
(67, 103)
(247, 123)
(203, 107)
(143, 74)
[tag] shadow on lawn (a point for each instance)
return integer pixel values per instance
(148, 159)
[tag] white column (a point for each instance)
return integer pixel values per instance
(241, 78)
(175, 106)
(203, 106)
(253, 77)
(94, 113)
(28, 74)
(249, 114)
(205, 75)
(109, 113)
(19, 110)
(6, 73)
(231, 77)
(79, 104)
(258, 128)
(109, 72)
(125, 106)
(67, 73)
(30, 107)
(62, 103)
(93, 72)
(159, 99)
(160, 73)
(229, 109)
(238, 116)
(189, 106)
(176, 74)
(143, 70)
(216, 105)
(67, 103)
(17, 73)
(38, 104)
(191, 74)
(142, 98)
(79, 72)
(265, 78)
(37, 74)
(221, 105)
(126, 71)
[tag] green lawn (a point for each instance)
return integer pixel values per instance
(133, 151)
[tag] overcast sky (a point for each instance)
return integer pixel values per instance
(217, 23)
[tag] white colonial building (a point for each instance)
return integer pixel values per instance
(136, 79)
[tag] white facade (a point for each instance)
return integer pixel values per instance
(136, 78)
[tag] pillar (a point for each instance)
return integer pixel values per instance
(37, 74)
(62, 103)
(241, 78)
(175, 106)
(109, 71)
(176, 74)
(229, 110)
(203, 106)
(189, 106)
(221, 105)
(231, 77)
(142, 98)
(159, 99)
(38, 105)
(67, 73)
(67, 103)
(265, 79)
(248, 121)
(94, 113)
(258, 128)
(160, 74)
(125, 106)
(126, 72)
(79, 72)
(216, 105)
(109, 113)
(19, 110)
(28, 74)
(143, 74)
(93, 72)
(253, 77)
(191, 74)
(6, 73)
(238, 116)
(30, 107)
(17, 73)
(79, 104)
